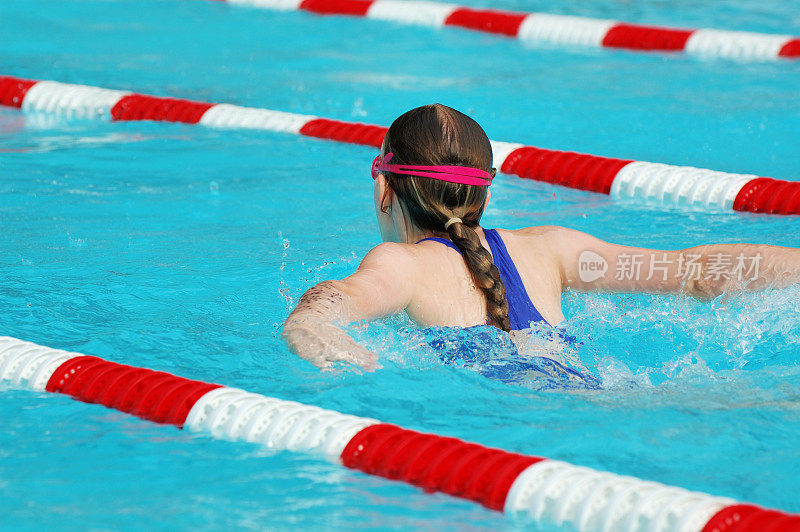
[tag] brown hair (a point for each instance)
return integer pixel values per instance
(438, 135)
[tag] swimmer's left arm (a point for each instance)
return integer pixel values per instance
(589, 264)
(383, 284)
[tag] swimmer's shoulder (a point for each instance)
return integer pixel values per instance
(540, 242)
(390, 255)
(410, 257)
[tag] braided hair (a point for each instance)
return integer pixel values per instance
(439, 135)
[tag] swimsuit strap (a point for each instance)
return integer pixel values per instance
(441, 241)
(521, 310)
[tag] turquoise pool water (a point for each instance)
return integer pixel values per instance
(182, 248)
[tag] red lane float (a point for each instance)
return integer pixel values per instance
(623, 179)
(353, 133)
(141, 107)
(556, 29)
(151, 395)
(569, 169)
(13, 90)
(434, 463)
(543, 490)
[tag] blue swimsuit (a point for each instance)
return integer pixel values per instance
(472, 348)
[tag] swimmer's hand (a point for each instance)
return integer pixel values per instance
(326, 346)
(383, 285)
(313, 332)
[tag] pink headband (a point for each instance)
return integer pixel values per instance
(454, 174)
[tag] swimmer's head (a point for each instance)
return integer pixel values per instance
(410, 205)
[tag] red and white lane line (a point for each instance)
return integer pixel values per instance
(542, 490)
(556, 29)
(637, 181)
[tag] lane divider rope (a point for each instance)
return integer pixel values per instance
(541, 490)
(637, 181)
(555, 29)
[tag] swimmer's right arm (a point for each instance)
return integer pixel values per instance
(383, 284)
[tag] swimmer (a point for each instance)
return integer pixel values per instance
(436, 262)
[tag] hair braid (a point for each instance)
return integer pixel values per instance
(484, 273)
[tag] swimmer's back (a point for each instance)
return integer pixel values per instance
(443, 292)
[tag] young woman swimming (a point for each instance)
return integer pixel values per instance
(431, 186)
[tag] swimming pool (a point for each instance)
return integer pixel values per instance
(182, 248)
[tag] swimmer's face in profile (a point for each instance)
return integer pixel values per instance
(450, 162)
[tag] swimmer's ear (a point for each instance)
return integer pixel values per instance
(383, 193)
